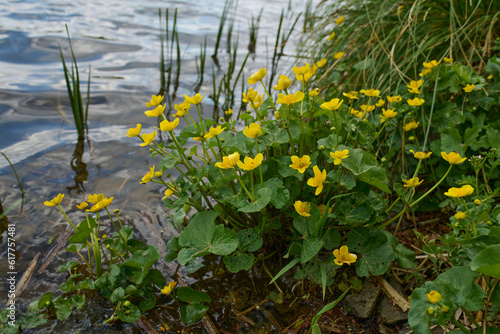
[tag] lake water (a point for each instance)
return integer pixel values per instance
(120, 41)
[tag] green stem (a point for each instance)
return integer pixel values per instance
(260, 166)
(459, 325)
(434, 187)
(268, 95)
(243, 185)
(64, 214)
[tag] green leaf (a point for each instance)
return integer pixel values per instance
(132, 316)
(148, 303)
(487, 261)
(310, 248)
(285, 269)
(67, 266)
(117, 295)
(64, 306)
(80, 237)
(189, 295)
(364, 166)
(143, 259)
(250, 240)
(31, 319)
(191, 314)
(405, 257)
(458, 283)
(169, 162)
(451, 140)
(238, 262)
(47, 297)
(262, 198)
(373, 249)
(200, 230)
(360, 214)
(328, 307)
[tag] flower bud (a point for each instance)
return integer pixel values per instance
(127, 311)
(116, 211)
(248, 112)
(489, 222)
(430, 310)
(411, 138)
(277, 114)
(383, 160)
(321, 147)
(328, 123)
(332, 129)
(47, 303)
(126, 303)
(474, 108)
(477, 201)
(445, 309)
(222, 140)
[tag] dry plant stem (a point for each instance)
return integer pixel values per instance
(270, 275)
(256, 306)
(23, 282)
(459, 325)
(393, 294)
(488, 304)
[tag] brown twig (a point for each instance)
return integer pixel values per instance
(23, 282)
(256, 306)
(393, 294)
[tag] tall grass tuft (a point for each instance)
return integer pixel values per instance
(254, 32)
(169, 41)
(80, 114)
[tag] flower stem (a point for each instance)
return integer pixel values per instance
(435, 186)
(243, 185)
(64, 214)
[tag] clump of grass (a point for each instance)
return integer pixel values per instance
(80, 113)
(166, 65)
(254, 32)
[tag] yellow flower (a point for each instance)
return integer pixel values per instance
(212, 132)
(290, 98)
(202, 138)
(366, 108)
(477, 202)
(195, 99)
(229, 112)
(257, 102)
(425, 72)
(358, 114)
(95, 198)
(431, 64)
(333, 104)
(283, 83)
(460, 192)
(168, 288)
(416, 102)
(338, 156)
(134, 132)
(302, 208)
(149, 175)
(321, 62)
(342, 256)
(55, 201)
(490, 77)
(411, 125)
(413, 182)
(250, 95)
(257, 76)
(168, 193)
(82, 205)
(317, 180)
(460, 215)
(302, 73)
(414, 86)
(421, 155)
(252, 131)
(155, 100)
(228, 161)
(300, 164)
(314, 92)
(249, 163)
(433, 296)
(148, 138)
(453, 158)
(386, 114)
(314, 68)
(182, 109)
(448, 60)
(101, 204)
(338, 55)
(469, 88)
(159, 174)
(332, 36)
(169, 126)
(340, 20)
(352, 95)
(322, 208)
(155, 112)
(394, 99)
(370, 92)
(380, 103)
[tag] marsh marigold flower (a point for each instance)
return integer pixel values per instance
(342, 256)
(413, 182)
(414, 86)
(149, 175)
(155, 112)
(317, 180)
(340, 20)
(411, 125)
(168, 288)
(469, 88)
(331, 36)
(95, 198)
(460, 215)
(338, 55)
(332, 105)
(314, 92)
(257, 76)
(249, 95)
(252, 131)
(321, 62)
(370, 92)
(228, 161)
(338, 156)
(303, 73)
(453, 158)
(366, 108)
(448, 60)
(212, 132)
(168, 193)
(134, 132)
(105, 202)
(169, 126)
(394, 99)
(302, 208)
(283, 83)
(415, 102)
(155, 100)
(55, 201)
(148, 138)
(290, 98)
(249, 163)
(182, 109)
(421, 155)
(387, 114)
(300, 164)
(229, 112)
(196, 99)
(83, 205)
(431, 64)
(380, 103)
(460, 192)
(433, 296)
(352, 95)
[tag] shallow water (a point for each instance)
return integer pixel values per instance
(120, 41)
